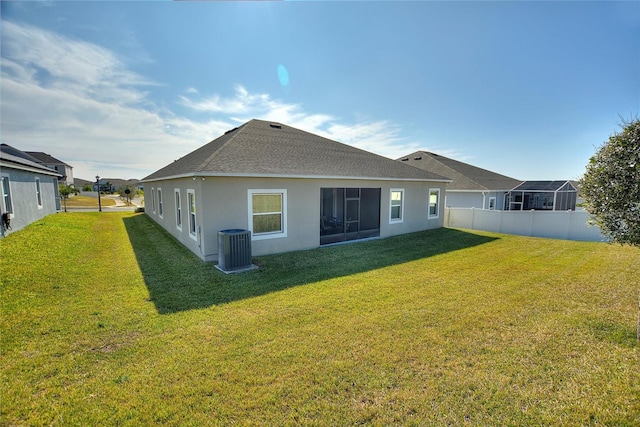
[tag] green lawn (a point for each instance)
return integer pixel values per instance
(87, 201)
(107, 320)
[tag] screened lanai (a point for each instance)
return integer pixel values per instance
(349, 214)
(542, 195)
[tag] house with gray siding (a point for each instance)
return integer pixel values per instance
(65, 170)
(471, 186)
(29, 189)
(291, 189)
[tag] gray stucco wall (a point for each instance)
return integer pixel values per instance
(24, 200)
(223, 203)
(474, 199)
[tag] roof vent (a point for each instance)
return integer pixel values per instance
(231, 130)
(275, 125)
(417, 158)
(406, 159)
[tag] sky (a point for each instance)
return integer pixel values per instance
(120, 89)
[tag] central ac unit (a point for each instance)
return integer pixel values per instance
(234, 250)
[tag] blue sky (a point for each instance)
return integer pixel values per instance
(120, 89)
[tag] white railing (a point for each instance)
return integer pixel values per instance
(567, 225)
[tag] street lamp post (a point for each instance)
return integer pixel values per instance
(98, 185)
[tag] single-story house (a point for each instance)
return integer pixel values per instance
(471, 186)
(292, 189)
(543, 195)
(111, 185)
(65, 170)
(29, 189)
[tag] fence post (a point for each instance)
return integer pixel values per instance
(473, 214)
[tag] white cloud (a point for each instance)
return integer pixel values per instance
(81, 103)
(380, 137)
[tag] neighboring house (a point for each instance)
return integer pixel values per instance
(471, 187)
(29, 189)
(543, 195)
(83, 183)
(58, 165)
(106, 186)
(117, 183)
(292, 189)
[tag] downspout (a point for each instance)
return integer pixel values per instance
(199, 228)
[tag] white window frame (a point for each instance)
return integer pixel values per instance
(7, 200)
(272, 234)
(391, 205)
(193, 217)
(492, 199)
(153, 200)
(38, 193)
(160, 207)
(178, 201)
(437, 214)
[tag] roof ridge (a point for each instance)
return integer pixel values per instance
(479, 168)
(431, 155)
(236, 131)
(269, 148)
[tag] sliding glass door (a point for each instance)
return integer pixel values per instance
(349, 214)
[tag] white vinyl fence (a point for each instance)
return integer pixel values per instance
(567, 225)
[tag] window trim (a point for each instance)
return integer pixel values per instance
(178, 201)
(153, 200)
(492, 208)
(272, 234)
(6, 207)
(391, 205)
(437, 214)
(38, 192)
(193, 216)
(160, 207)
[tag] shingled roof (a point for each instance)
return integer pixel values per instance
(12, 157)
(45, 158)
(464, 176)
(269, 149)
(543, 186)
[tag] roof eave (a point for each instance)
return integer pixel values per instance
(20, 166)
(477, 191)
(286, 176)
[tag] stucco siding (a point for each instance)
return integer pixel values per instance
(223, 203)
(464, 199)
(25, 208)
(475, 199)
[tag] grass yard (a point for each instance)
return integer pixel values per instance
(87, 201)
(107, 320)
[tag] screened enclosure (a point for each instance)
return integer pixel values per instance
(542, 195)
(349, 214)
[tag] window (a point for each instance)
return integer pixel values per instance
(434, 202)
(6, 195)
(191, 198)
(178, 210)
(38, 193)
(268, 213)
(153, 200)
(397, 205)
(492, 203)
(160, 202)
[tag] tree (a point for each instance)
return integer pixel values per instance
(66, 191)
(122, 191)
(611, 185)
